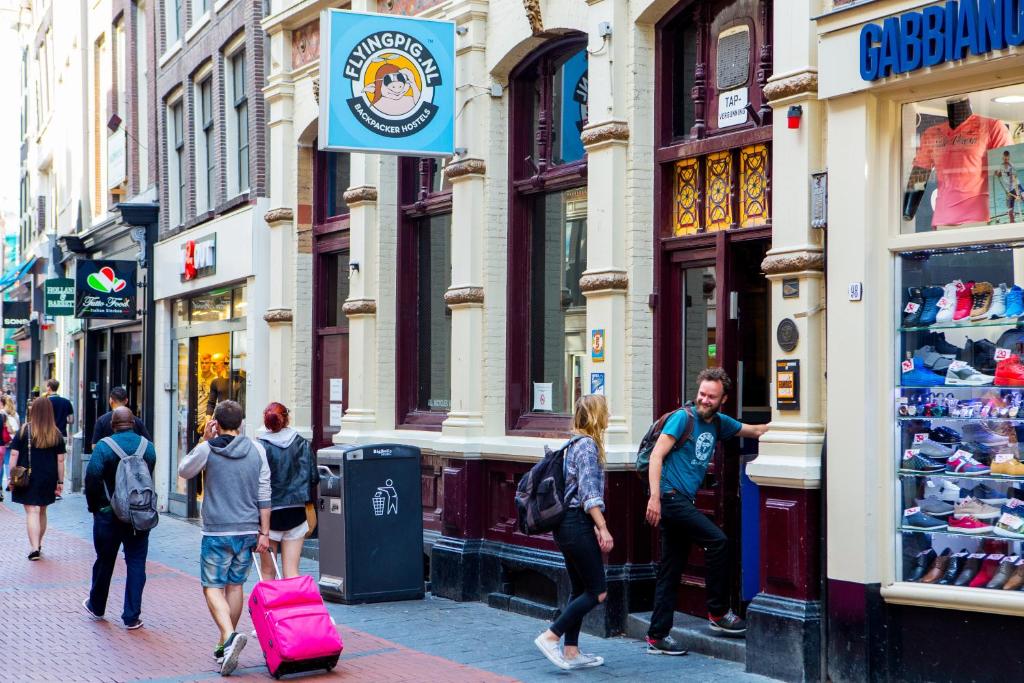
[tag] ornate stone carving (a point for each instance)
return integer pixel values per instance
(464, 167)
(533, 15)
(279, 215)
(360, 194)
(609, 279)
(464, 295)
(777, 264)
(316, 90)
(805, 83)
(354, 307)
(306, 44)
(605, 132)
(278, 316)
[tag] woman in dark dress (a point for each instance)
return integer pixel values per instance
(40, 446)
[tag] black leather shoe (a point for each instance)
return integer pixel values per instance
(921, 564)
(956, 563)
(970, 570)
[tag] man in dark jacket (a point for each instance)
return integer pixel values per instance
(118, 397)
(108, 532)
(63, 411)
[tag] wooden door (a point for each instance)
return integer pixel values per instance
(331, 339)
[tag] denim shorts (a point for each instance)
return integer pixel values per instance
(225, 560)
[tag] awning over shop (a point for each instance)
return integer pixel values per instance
(13, 275)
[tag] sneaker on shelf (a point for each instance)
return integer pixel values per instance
(1011, 522)
(963, 464)
(964, 375)
(946, 304)
(934, 507)
(934, 360)
(728, 623)
(981, 300)
(912, 309)
(1005, 465)
(978, 433)
(665, 646)
(934, 449)
(969, 525)
(1014, 302)
(982, 355)
(945, 435)
(998, 307)
(918, 464)
(970, 507)
(949, 492)
(964, 302)
(930, 307)
(1009, 372)
(920, 376)
(984, 493)
(916, 520)
(1015, 492)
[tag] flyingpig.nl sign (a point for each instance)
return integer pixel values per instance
(387, 84)
(105, 289)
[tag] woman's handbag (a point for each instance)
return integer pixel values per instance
(20, 475)
(310, 519)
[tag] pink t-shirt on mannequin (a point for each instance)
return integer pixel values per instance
(959, 158)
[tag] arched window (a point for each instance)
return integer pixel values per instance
(547, 237)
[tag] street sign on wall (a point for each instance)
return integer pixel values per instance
(105, 289)
(387, 84)
(60, 296)
(16, 314)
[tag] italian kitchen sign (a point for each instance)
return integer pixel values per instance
(105, 289)
(59, 296)
(387, 84)
(199, 258)
(16, 314)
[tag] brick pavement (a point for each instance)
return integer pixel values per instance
(428, 640)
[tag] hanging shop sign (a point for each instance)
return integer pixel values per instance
(105, 289)
(60, 296)
(117, 167)
(16, 314)
(199, 258)
(942, 33)
(387, 84)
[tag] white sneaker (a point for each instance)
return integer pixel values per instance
(232, 649)
(551, 650)
(966, 376)
(950, 492)
(998, 307)
(585, 661)
(945, 314)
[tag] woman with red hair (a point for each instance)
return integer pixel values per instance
(293, 478)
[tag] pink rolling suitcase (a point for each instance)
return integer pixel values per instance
(293, 626)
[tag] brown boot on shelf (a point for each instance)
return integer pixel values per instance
(1016, 580)
(981, 300)
(938, 568)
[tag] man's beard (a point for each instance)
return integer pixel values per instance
(707, 413)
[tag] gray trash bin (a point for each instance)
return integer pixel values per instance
(371, 523)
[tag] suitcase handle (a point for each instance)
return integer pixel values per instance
(256, 562)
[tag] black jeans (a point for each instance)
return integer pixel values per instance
(578, 542)
(681, 524)
(108, 534)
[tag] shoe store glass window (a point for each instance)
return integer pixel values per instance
(959, 408)
(963, 160)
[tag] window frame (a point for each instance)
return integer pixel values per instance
(527, 184)
(417, 202)
(240, 104)
(172, 22)
(175, 116)
(206, 163)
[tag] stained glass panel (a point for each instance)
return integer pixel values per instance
(719, 204)
(685, 219)
(754, 209)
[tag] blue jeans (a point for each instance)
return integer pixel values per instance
(109, 534)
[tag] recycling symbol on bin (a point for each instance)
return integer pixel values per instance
(385, 500)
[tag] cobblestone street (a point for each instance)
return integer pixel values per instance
(429, 640)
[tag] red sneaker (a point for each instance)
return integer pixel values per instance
(969, 525)
(964, 300)
(985, 574)
(1010, 372)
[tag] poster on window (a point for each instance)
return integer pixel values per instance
(387, 84)
(105, 289)
(1006, 184)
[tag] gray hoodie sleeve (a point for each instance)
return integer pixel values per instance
(263, 497)
(195, 462)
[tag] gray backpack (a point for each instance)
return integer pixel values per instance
(134, 496)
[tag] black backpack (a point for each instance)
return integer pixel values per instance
(540, 496)
(643, 453)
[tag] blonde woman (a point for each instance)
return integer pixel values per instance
(583, 535)
(9, 415)
(39, 445)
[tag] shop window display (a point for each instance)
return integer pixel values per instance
(960, 412)
(963, 160)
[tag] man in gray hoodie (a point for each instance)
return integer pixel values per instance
(236, 520)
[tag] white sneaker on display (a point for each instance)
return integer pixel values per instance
(947, 305)
(998, 307)
(950, 492)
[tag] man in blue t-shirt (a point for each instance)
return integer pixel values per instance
(677, 468)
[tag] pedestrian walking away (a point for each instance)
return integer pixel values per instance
(677, 468)
(63, 411)
(103, 428)
(293, 476)
(39, 449)
(109, 532)
(236, 520)
(9, 426)
(582, 535)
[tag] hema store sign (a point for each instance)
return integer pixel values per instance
(387, 84)
(942, 33)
